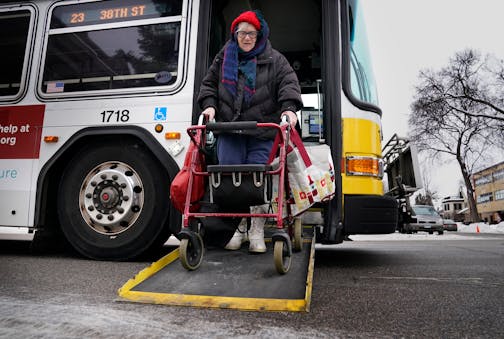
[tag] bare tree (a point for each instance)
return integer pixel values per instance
(496, 69)
(456, 114)
(421, 199)
(428, 195)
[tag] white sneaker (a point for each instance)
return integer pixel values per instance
(239, 237)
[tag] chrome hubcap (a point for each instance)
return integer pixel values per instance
(111, 198)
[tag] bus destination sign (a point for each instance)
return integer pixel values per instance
(93, 13)
(107, 14)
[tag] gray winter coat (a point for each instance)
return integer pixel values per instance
(276, 90)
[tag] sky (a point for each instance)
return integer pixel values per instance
(406, 36)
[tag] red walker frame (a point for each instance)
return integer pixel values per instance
(192, 246)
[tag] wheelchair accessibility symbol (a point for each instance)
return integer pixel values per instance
(160, 114)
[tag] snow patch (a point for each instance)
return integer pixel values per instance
(479, 227)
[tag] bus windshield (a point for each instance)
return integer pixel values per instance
(99, 46)
(361, 72)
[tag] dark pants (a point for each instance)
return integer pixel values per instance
(237, 149)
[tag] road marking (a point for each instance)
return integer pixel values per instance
(468, 280)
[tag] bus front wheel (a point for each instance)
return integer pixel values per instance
(113, 201)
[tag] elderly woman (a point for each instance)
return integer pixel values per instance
(249, 81)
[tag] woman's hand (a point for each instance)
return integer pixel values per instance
(292, 117)
(210, 113)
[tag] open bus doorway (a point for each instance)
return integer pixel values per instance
(297, 35)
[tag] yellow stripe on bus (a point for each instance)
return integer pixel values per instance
(361, 137)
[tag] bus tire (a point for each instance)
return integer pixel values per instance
(113, 201)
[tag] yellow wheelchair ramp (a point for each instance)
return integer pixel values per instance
(227, 279)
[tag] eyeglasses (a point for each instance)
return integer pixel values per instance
(243, 34)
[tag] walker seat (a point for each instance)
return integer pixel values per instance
(240, 185)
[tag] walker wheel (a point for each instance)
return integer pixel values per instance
(282, 257)
(191, 255)
(298, 235)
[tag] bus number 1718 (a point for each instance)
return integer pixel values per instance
(115, 116)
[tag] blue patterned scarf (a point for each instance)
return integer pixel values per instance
(235, 59)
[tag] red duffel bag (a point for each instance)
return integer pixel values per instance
(180, 184)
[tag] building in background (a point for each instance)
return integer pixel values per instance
(452, 207)
(489, 191)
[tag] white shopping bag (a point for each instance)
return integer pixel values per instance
(309, 181)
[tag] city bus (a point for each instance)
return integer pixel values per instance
(96, 98)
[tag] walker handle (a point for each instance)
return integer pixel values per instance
(230, 126)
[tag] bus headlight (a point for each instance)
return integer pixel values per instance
(362, 165)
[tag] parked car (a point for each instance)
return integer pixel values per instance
(449, 225)
(424, 218)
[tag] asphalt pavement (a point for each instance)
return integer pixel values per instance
(368, 288)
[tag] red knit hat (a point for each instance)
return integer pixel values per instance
(249, 17)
